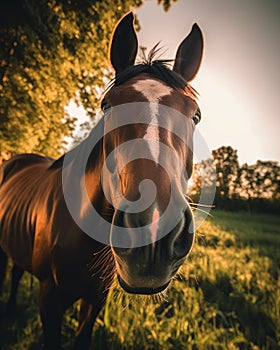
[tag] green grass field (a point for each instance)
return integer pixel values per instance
(227, 297)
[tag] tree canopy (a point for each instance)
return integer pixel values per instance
(238, 187)
(52, 51)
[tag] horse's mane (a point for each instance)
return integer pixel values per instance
(159, 68)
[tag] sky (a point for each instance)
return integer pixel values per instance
(239, 80)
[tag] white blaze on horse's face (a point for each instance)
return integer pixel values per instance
(153, 91)
(154, 226)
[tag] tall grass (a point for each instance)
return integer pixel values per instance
(227, 297)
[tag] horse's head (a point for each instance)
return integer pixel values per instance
(150, 113)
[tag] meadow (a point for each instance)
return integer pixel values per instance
(227, 296)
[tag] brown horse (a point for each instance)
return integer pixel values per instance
(115, 205)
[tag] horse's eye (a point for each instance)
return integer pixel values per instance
(105, 106)
(196, 117)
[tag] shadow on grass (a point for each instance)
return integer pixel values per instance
(16, 326)
(236, 310)
(104, 339)
(14, 332)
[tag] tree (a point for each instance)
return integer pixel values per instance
(52, 51)
(248, 187)
(227, 165)
(203, 179)
(260, 180)
(166, 3)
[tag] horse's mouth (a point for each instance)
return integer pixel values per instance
(141, 290)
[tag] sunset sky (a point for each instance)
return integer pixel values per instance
(239, 81)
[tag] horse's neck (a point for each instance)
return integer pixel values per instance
(89, 158)
(81, 180)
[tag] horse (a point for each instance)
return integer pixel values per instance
(78, 223)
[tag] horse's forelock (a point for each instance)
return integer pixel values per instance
(158, 68)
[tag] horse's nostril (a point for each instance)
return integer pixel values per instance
(183, 244)
(132, 230)
(184, 240)
(120, 236)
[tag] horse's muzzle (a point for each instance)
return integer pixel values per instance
(148, 269)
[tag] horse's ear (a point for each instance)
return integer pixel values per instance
(189, 54)
(124, 44)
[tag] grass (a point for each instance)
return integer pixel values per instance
(228, 297)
